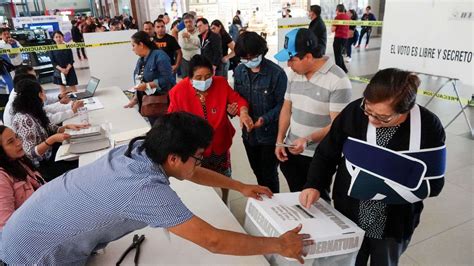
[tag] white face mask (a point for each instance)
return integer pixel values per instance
(252, 63)
(202, 85)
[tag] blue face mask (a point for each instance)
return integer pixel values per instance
(253, 63)
(202, 85)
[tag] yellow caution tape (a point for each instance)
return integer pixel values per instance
(420, 91)
(293, 26)
(371, 23)
(53, 47)
(330, 22)
(442, 96)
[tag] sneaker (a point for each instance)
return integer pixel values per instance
(348, 60)
(366, 46)
(357, 46)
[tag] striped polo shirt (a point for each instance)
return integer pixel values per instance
(64, 221)
(328, 90)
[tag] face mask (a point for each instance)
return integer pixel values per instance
(202, 85)
(254, 62)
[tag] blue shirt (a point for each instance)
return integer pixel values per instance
(264, 91)
(84, 209)
(157, 69)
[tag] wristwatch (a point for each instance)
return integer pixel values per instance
(309, 141)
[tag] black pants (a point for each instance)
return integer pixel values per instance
(362, 33)
(350, 42)
(337, 45)
(382, 252)
(264, 164)
(295, 170)
(78, 50)
(50, 169)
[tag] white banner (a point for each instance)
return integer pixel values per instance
(430, 36)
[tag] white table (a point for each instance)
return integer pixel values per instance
(160, 247)
(126, 123)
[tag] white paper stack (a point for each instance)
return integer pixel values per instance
(333, 233)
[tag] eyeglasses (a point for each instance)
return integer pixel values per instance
(252, 59)
(198, 161)
(382, 119)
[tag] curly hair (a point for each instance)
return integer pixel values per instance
(29, 102)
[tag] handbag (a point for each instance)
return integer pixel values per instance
(154, 105)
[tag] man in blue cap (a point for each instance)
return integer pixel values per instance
(317, 91)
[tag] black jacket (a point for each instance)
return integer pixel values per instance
(318, 27)
(76, 34)
(351, 122)
(211, 48)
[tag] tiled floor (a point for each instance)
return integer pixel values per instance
(445, 235)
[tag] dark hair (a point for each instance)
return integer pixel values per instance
(57, 32)
(203, 21)
(176, 22)
(159, 21)
(340, 8)
(143, 37)
(307, 43)
(28, 101)
(198, 61)
(250, 43)
(161, 16)
(147, 22)
(14, 168)
(236, 20)
(218, 23)
(238, 12)
(177, 133)
(22, 76)
(188, 16)
(316, 10)
(23, 69)
(396, 85)
(353, 14)
(2, 30)
(115, 22)
(369, 7)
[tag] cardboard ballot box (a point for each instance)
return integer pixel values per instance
(337, 239)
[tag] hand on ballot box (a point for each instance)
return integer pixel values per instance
(293, 243)
(308, 197)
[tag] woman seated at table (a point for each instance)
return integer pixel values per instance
(388, 154)
(18, 176)
(153, 75)
(207, 96)
(41, 139)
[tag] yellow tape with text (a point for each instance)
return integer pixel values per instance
(420, 91)
(53, 47)
(330, 22)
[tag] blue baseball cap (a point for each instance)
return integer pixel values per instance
(297, 41)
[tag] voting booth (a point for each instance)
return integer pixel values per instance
(337, 239)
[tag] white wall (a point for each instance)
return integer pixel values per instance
(114, 64)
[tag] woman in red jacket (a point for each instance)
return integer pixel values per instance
(207, 96)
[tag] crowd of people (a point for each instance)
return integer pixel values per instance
(305, 123)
